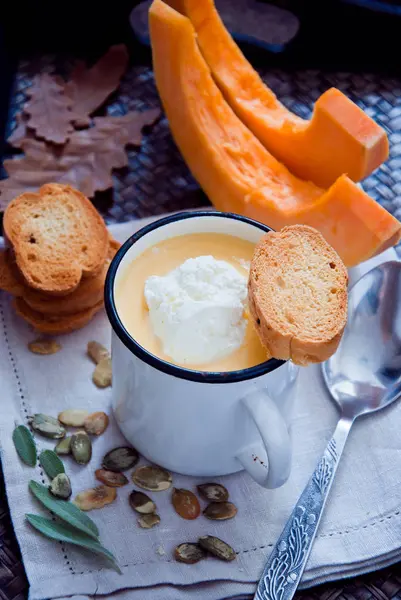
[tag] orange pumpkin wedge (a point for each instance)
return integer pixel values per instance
(339, 138)
(235, 170)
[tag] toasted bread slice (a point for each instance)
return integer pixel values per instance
(53, 324)
(297, 293)
(89, 292)
(9, 281)
(57, 237)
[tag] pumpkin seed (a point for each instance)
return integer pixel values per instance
(64, 446)
(186, 504)
(44, 346)
(102, 374)
(110, 478)
(220, 511)
(120, 459)
(47, 426)
(152, 478)
(61, 486)
(213, 492)
(217, 547)
(189, 553)
(81, 447)
(96, 423)
(97, 352)
(95, 497)
(141, 503)
(73, 417)
(148, 521)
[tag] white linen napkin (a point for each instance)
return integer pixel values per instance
(360, 530)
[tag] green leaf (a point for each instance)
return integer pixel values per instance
(65, 510)
(63, 533)
(25, 445)
(51, 463)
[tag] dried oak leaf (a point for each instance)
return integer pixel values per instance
(89, 88)
(21, 132)
(85, 162)
(49, 109)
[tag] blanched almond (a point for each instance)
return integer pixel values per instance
(102, 374)
(97, 351)
(44, 346)
(73, 417)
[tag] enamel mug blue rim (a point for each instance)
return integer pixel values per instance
(140, 351)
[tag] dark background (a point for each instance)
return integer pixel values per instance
(334, 35)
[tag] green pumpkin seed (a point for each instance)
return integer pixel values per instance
(189, 553)
(60, 487)
(220, 511)
(217, 547)
(120, 459)
(47, 426)
(25, 445)
(64, 446)
(152, 478)
(81, 447)
(51, 464)
(213, 492)
(148, 521)
(73, 417)
(141, 503)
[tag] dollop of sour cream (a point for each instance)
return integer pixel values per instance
(197, 310)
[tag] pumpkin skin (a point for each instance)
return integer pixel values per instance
(233, 167)
(339, 138)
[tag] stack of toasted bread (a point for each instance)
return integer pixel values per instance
(57, 256)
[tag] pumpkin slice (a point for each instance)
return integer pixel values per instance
(339, 138)
(235, 170)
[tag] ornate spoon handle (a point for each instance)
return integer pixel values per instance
(284, 568)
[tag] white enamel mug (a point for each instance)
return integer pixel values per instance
(199, 423)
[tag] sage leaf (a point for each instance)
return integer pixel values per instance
(65, 510)
(25, 445)
(51, 463)
(63, 533)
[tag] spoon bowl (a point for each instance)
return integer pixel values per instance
(364, 375)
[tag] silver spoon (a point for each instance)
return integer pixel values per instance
(363, 376)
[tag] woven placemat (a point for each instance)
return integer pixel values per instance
(157, 181)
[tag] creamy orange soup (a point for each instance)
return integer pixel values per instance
(160, 260)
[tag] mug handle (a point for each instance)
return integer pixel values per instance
(276, 443)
